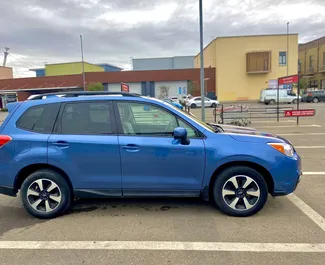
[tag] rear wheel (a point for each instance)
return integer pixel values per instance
(240, 191)
(272, 102)
(315, 100)
(295, 101)
(193, 106)
(213, 105)
(45, 194)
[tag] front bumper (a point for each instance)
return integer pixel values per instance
(286, 176)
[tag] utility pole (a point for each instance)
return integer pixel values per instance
(83, 65)
(202, 63)
(5, 56)
(287, 57)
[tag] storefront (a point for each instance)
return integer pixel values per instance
(7, 98)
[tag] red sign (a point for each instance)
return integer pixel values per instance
(299, 113)
(288, 80)
(125, 87)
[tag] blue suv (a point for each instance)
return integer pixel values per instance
(59, 147)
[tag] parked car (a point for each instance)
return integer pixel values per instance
(56, 149)
(175, 99)
(196, 102)
(314, 96)
(174, 103)
(270, 96)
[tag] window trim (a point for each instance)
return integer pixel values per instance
(57, 126)
(281, 63)
(37, 106)
(120, 128)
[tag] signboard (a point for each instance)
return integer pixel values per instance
(289, 82)
(299, 113)
(125, 87)
(273, 83)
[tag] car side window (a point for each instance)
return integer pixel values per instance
(197, 99)
(191, 132)
(90, 118)
(145, 119)
(39, 118)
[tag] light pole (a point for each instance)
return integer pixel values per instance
(83, 65)
(202, 63)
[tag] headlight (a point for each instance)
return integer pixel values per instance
(284, 148)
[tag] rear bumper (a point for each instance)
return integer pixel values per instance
(8, 191)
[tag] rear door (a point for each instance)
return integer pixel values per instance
(85, 146)
(321, 95)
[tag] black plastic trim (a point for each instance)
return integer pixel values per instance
(8, 191)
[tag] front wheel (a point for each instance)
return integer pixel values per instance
(315, 100)
(193, 106)
(240, 191)
(213, 105)
(45, 194)
(295, 101)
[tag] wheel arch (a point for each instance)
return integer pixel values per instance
(260, 169)
(26, 171)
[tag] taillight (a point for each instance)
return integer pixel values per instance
(4, 139)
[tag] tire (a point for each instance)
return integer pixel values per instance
(315, 100)
(193, 106)
(295, 101)
(37, 188)
(224, 184)
(272, 102)
(213, 105)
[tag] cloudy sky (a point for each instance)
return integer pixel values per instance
(39, 31)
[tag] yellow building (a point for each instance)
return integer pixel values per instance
(247, 64)
(70, 68)
(312, 63)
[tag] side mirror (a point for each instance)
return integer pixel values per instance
(180, 133)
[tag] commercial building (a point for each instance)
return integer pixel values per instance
(312, 63)
(245, 65)
(166, 63)
(148, 83)
(73, 68)
(6, 72)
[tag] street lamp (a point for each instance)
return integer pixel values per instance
(202, 63)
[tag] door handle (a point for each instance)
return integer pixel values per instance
(61, 144)
(131, 147)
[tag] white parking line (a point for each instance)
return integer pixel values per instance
(163, 245)
(290, 126)
(310, 147)
(298, 134)
(313, 173)
(275, 121)
(307, 210)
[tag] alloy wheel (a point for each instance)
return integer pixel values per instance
(241, 193)
(44, 195)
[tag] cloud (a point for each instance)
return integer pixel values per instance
(39, 31)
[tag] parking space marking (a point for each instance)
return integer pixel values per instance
(307, 210)
(163, 245)
(313, 173)
(310, 147)
(275, 121)
(290, 126)
(298, 134)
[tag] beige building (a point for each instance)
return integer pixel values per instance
(6, 72)
(312, 63)
(247, 64)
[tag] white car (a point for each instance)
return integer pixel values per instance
(196, 102)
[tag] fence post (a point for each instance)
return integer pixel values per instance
(221, 114)
(215, 114)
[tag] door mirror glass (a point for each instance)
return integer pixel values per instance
(180, 133)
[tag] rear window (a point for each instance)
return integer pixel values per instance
(39, 118)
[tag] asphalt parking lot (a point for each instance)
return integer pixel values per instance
(289, 230)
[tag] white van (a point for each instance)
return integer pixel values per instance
(269, 96)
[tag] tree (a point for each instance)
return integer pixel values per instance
(95, 87)
(303, 83)
(163, 92)
(191, 87)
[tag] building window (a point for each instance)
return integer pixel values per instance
(282, 58)
(322, 84)
(258, 62)
(311, 60)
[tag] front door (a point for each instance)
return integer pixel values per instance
(153, 163)
(85, 146)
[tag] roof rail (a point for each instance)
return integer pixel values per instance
(85, 93)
